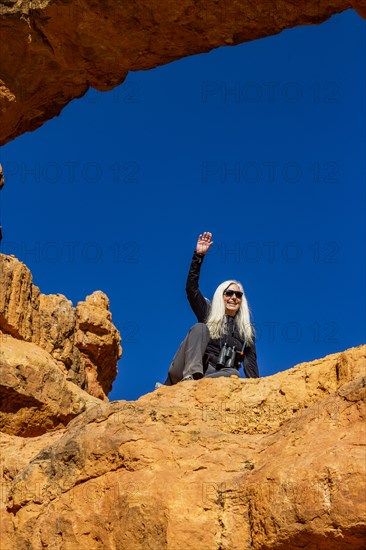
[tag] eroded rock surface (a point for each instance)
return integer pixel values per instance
(97, 340)
(35, 395)
(272, 463)
(52, 52)
(2, 181)
(81, 342)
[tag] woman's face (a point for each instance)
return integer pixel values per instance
(233, 302)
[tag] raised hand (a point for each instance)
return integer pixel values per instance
(204, 243)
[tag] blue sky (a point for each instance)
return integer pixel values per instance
(262, 144)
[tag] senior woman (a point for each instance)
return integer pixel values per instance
(223, 338)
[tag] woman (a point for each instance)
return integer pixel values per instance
(223, 336)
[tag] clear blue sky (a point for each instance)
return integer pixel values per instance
(263, 144)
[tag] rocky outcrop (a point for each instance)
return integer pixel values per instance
(35, 395)
(82, 342)
(360, 7)
(97, 340)
(1, 177)
(52, 52)
(271, 463)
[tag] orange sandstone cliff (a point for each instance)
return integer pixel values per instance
(271, 463)
(80, 345)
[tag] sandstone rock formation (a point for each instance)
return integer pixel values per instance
(81, 343)
(52, 52)
(360, 7)
(272, 463)
(1, 177)
(35, 396)
(97, 340)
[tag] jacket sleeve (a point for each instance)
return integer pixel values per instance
(199, 304)
(250, 362)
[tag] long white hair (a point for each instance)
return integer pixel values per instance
(216, 320)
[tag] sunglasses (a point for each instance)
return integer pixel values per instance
(238, 293)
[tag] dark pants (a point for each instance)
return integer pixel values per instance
(189, 358)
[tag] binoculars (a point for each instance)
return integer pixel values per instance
(227, 357)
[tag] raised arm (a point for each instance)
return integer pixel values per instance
(199, 304)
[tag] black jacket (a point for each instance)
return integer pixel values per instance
(201, 307)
